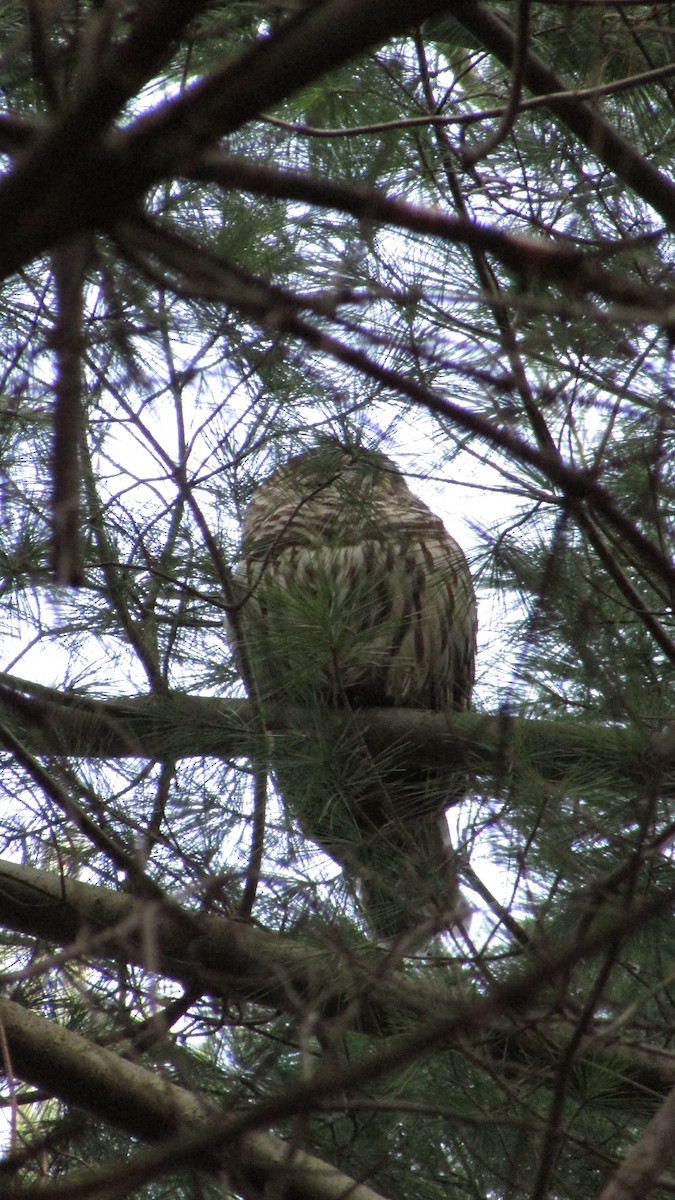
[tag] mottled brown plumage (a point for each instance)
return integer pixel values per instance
(357, 595)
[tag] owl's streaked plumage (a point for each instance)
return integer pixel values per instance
(357, 595)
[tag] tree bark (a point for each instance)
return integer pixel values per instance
(188, 1128)
(178, 725)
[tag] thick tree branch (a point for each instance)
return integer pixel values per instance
(144, 1105)
(43, 203)
(55, 187)
(228, 959)
(500, 746)
(225, 958)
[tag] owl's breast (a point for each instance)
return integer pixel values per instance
(386, 620)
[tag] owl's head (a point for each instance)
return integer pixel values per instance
(332, 464)
(331, 493)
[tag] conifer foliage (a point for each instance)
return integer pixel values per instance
(441, 234)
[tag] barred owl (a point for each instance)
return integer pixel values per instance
(355, 594)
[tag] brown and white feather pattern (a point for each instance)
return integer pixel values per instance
(356, 594)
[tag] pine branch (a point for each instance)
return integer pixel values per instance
(43, 204)
(115, 1090)
(226, 958)
(497, 746)
(580, 117)
(131, 1098)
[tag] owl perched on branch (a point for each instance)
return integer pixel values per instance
(356, 595)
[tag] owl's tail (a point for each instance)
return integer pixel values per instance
(409, 883)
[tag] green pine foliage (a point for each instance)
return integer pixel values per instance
(390, 234)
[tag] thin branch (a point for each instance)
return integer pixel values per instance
(143, 884)
(555, 261)
(487, 278)
(257, 847)
(630, 593)
(439, 120)
(513, 107)
(69, 264)
(136, 629)
(586, 122)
